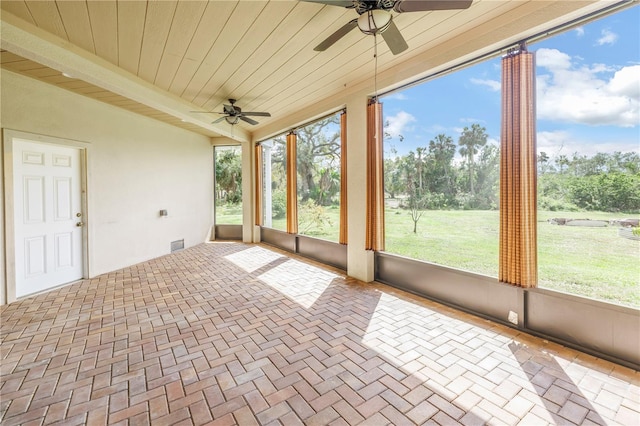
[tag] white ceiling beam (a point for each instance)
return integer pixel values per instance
(28, 41)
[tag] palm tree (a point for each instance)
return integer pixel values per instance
(543, 161)
(470, 141)
(562, 161)
(442, 150)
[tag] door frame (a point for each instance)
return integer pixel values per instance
(8, 141)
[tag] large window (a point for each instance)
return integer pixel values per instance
(318, 179)
(274, 191)
(588, 83)
(318, 168)
(442, 169)
(228, 185)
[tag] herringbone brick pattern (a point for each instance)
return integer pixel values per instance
(228, 333)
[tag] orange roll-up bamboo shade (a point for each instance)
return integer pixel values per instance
(259, 185)
(343, 238)
(518, 197)
(375, 181)
(292, 184)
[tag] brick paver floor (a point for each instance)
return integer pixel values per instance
(228, 333)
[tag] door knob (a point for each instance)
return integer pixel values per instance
(79, 223)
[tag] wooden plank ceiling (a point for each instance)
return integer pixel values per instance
(259, 52)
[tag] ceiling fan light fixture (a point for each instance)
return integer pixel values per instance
(374, 21)
(232, 119)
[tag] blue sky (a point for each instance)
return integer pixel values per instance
(588, 84)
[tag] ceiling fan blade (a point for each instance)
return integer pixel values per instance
(248, 120)
(402, 6)
(394, 39)
(341, 3)
(218, 120)
(256, 114)
(336, 36)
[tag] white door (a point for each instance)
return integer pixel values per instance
(48, 215)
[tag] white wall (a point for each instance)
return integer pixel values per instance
(136, 166)
(3, 295)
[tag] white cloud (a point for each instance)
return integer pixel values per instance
(561, 142)
(626, 82)
(607, 37)
(579, 31)
(553, 59)
(494, 85)
(398, 123)
(587, 94)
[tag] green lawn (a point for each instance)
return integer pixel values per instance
(591, 262)
(229, 214)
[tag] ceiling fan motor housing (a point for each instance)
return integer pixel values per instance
(363, 6)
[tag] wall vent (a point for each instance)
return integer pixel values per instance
(177, 245)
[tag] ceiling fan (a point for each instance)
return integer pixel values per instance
(375, 17)
(233, 114)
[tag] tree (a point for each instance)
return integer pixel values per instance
(487, 178)
(228, 170)
(470, 141)
(415, 202)
(629, 162)
(419, 163)
(543, 163)
(312, 218)
(394, 183)
(416, 211)
(612, 192)
(318, 151)
(328, 185)
(441, 153)
(604, 182)
(562, 161)
(578, 165)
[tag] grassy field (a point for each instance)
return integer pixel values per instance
(591, 262)
(229, 214)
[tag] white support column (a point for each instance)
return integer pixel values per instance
(267, 199)
(247, 194)
(256, 232)
(360, 262)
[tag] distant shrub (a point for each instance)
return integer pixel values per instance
(556, 205)
(278, 204)
(636, 231)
